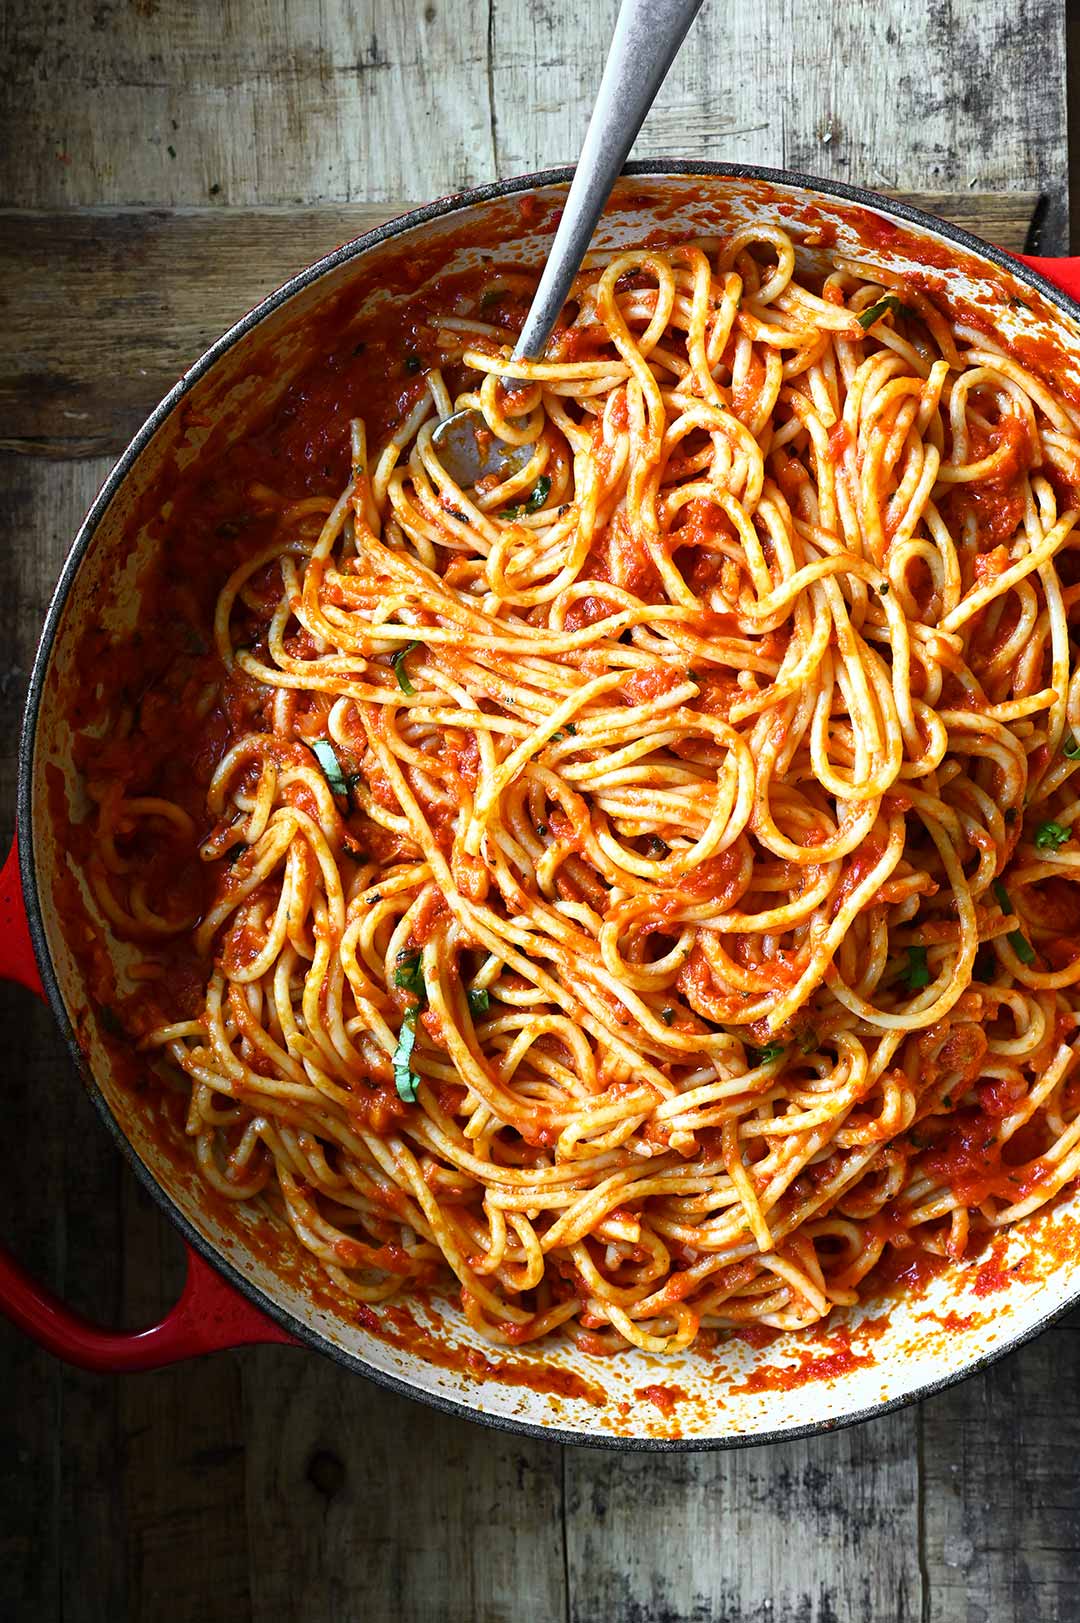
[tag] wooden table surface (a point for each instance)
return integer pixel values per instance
(269, 1485)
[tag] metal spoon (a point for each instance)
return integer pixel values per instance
(648, 34)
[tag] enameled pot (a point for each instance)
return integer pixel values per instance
(244, 1287)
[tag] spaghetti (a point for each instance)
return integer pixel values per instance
(641, 888)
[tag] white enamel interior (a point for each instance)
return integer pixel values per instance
(915, 1351)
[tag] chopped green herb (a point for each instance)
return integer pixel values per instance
(658, 847)
(890, 302)
(808, 1042)
(491, 295)
(533, 502)
(409, 975)
(571, 729)
(405, 1079)
(766, 1055)
(326, 756)
(667, 1016)
(398, 662)
(541, 829)
(557, 737)
(883, 591)
(479, 999)
(1018, 304)
(918, 970)
(412, 364)
(691, 674)
(1070, 749)
(1017, 940)
(110, 1021)
(1048, 836)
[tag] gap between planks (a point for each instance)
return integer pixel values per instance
(103, 309)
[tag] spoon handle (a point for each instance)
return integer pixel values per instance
(648, 34)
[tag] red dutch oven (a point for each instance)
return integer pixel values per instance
(245, 1282)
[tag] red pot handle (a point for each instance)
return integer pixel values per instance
(1064, 273)
(209, 1315)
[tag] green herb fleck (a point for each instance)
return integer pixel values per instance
(890, 302)
(110, 1021)
(658, 847)
(405, 1079)
(917, 972)
(766, 1055)
(571, 729)
(1049, 836)
(326, 756)
(1017, 940)
(398, 662)
(479, 999)
(1070, 749)
(691, 674)
(667, 1016)
(533, 502)
(409, 975)
(883, 590)
(541, 829)
(808, 1042)
(491, 295)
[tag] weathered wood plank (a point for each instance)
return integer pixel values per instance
(181, 1444)
(1001, 1489)
(62, 1517)
(369, 99)
(228, 101)
(133, 296)
(805, 1532)
(364, 1505)
(899, 95)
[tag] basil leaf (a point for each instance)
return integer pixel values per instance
(1048, 836)
(1017, 940)
(409, 975)
(533, 502)
(1070, 749)
(405, 1079)
(326, 756)
(479, 999)
(398, 662)
(918, 970)
(890, 302)
(766, 1055)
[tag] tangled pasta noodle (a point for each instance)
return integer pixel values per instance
(643, 886)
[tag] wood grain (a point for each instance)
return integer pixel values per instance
(226, 101)
(133, 296)
(1001, 1489)
(391, 1511)
(812, 1531)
